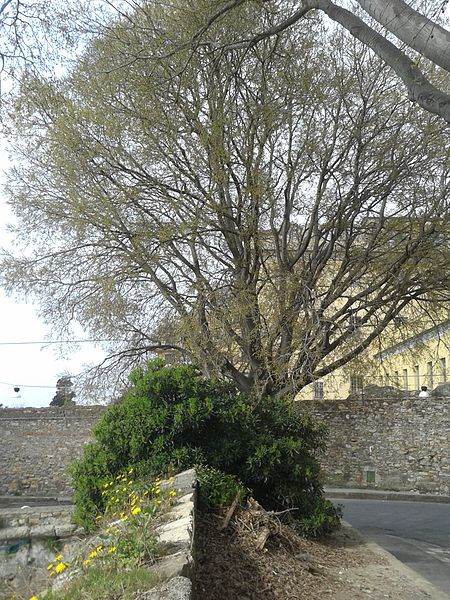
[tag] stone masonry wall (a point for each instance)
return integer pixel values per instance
(37, 445)
(397, 444)
(394, 444)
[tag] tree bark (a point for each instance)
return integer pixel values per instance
(411, 27)
(420, 89)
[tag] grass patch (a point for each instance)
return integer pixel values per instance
(104, 583)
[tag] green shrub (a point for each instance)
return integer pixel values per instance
(218, 489)
(173, 418)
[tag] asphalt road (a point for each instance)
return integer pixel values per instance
(416, 533)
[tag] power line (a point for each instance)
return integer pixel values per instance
(21, 385)
(45, 342)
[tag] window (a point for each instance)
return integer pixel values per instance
(443, 370)
(430, 374)
(355, 322)
(405, 380)
(417, 377)
(396, 379)
(356, 384)
(318, 390)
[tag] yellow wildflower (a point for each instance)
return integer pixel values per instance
(59, 568)
(86, 562)
(125, 518)
(59, 557)
(50, 566)
(136, 510)
(99, 548)
(32, 598)
(172, 493)
(93, 554)
(112, 549)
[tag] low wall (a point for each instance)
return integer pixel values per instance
(37, 445)
(394, 444)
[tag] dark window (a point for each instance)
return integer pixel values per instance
(356, 384)
(318, 390)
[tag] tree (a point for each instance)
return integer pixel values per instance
(64, 394)
(417, 32)
(44, 34)
(32, 35)
(268, 212)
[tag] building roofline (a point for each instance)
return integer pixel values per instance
(428, 334)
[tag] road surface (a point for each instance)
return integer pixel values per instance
(417, 533)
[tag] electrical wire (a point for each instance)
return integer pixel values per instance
(21, 385)
(46, 342)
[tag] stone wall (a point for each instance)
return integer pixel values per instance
(37, 445)
(387, 443)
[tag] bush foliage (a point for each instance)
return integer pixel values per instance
(172, 418)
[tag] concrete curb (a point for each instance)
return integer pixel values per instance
(372, 494)
(407, 573)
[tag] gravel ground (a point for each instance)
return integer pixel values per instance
(230, 566)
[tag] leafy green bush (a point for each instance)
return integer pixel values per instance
(173, 418)
(218, 489)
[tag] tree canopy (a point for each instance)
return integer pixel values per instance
(266, 211)
(64, 393)
(401, 33)
(372, 22)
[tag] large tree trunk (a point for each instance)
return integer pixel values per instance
(419, 88)
(412, 28)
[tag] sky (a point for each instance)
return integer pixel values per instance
(35, 368)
